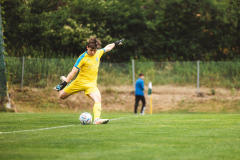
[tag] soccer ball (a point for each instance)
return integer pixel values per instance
(85, 118)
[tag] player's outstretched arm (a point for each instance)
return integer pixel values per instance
(109, 47)
(71, 74)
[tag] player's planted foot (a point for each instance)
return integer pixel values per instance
(100, 121)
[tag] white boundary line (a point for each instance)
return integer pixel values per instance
(40, 129)
(117, 118)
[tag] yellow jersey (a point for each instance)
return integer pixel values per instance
(88, 66)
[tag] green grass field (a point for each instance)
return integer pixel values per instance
(126, 136)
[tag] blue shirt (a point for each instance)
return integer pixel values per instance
(139, 87)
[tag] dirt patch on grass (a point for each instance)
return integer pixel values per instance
(121, 99)
(177, 99)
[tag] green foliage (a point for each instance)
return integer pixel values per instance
(42, 72)
(167, 30)
(115, 74)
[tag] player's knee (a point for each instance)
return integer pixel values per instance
(97, 98)
(61, 95)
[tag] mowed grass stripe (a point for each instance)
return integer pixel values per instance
(41, 129)
(160, 136)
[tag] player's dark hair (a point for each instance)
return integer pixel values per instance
(94, 43)
(141, 74)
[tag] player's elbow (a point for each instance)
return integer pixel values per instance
(107, 49)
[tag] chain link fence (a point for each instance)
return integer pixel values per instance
(41, 72)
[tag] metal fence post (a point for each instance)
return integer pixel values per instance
(22, 73)
(133, 73)
(198, 76)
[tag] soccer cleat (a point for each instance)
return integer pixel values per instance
(57, 88)
(63, 78)
(101, 121)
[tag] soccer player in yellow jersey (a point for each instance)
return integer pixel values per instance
(88, 64)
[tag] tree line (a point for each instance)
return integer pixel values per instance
(158, 30)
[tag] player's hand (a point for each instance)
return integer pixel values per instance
(119, 42)
(60, 86)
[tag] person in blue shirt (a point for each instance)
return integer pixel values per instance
(139, 93)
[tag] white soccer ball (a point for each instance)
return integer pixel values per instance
(85, 118)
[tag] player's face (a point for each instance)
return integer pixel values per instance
(91, 51)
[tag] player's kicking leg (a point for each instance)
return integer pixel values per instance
(97, 108)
